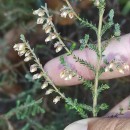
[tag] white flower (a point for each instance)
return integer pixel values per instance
(44, 85)
(62, 74)
(40, 20)
(53, 36)
(111, 65)
(56, 44)
(21, 53)
(19, 47)
(57, 99)
(59, 48)
(48, 29)
(71, 15)
(28, 58)
(107, 69)
(121, 71)
(27, 53)
(33, 68)
(40, 12)
(48, 38)
(126, 66)
(64, 14)
(40, 75)
(49, 91)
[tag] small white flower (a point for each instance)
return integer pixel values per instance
(49, 91)
(40, 75)
(56, 100)
(126, 66)
(59, 48)
(21, 53)
(53, 36)
(111, 65)
(64, 14)
(27, 53)
(121, 71)
(107, 69)
(48, 38)
(40, 20)
(37, 76)
(56, 44)
(19, 47)
(70, 76)
(71, 15)
(28, 58)
(15, 47)
(40, 12)
(33, 68)
(62, 74)
(44, 85)
(48, 29)
(97, 2)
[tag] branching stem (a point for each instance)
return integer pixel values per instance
(99, 58)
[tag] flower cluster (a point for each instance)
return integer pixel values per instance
(46, 20)
(66, 11)
(21, 48)
(67, 74)
(24, 49)
(119, 65)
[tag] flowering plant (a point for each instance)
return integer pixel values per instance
(102, 64)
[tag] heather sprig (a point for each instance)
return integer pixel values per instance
(45, 19)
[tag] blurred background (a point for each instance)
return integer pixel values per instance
(15, 79)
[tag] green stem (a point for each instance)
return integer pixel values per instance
(99, 37)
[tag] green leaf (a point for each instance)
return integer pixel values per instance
(117, 31)
(84, 42)
(85, 63)
(109, 23)
(80, 108)
(29, 108)
(103, 87)
(73, 46)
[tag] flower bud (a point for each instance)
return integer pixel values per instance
(121, 71)
(48, 38)
(33, 68)
(106, 69)
(49, 91)
(48, 29)
(71, 15)
(27, 53)
(40, 21)
(64, 14)
(21, 53)
(44, 85)
(62, 74)
(126, 67)
(28, 58)
(56, 44)
(59, 48)
(57, 99)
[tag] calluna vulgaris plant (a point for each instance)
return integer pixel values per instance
(45, 19)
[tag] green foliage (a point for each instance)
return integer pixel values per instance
(80, 108)
(84, 42)
(109, 23)
(102, 107)
(85, 63)
(29, 108)
(73, 46)
(88, 84)
(88, 24)
(103, 87)
(117, 31)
